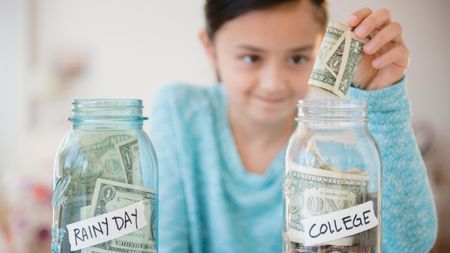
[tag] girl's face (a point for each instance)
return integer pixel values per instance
(264, 59)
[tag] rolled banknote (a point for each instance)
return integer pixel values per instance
(337, 61)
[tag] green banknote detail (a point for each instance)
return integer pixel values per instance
(129, 153)
(110, 196)
(98, 156)
(354, 57)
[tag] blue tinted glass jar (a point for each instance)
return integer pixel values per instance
(332, 180)
(105, 164)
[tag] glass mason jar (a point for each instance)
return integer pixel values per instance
(105, 181)
(332, 185)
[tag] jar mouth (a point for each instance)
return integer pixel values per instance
(107, 109)
(332, 110)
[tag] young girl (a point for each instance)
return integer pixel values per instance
(221, 148)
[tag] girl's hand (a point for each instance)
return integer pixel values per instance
(386, 56)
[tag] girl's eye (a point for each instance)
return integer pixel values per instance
(298, 59)
(251, 59)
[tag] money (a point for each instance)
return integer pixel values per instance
(312, 192)
(100, 156)
(109, 196)
(105, 157)
(109, 155)
(314, 159)
(337, 60)
(298, 248)
(130, 158)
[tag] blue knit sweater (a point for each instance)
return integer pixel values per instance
(208, 202)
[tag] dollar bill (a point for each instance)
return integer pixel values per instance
(311, 192)
(98, 156)
(104, 156)
(336, 63)
(109, 196)
(131, 162)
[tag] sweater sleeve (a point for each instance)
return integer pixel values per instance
(173, 229)
(409, 222)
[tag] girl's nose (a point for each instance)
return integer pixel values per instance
(273, 78)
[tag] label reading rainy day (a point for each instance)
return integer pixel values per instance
(106, 227)
(336, 225)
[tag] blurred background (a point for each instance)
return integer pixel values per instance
(52, 51)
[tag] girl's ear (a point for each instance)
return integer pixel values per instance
(208, 46)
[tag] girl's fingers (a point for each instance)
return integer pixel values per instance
(358, 16)
(394, 55)
(392, 32)
(374, 21)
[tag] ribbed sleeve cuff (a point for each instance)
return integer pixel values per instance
(390, 99)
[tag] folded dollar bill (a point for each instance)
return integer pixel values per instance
(337, 60)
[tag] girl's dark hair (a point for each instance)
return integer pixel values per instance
(218, 12)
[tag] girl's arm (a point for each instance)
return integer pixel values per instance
(409, 222)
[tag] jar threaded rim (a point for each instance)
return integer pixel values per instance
(332, 110)
(107, 109)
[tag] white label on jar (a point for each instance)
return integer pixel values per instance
(106, 227)
(336, 225)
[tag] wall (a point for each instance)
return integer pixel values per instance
(12, 79)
